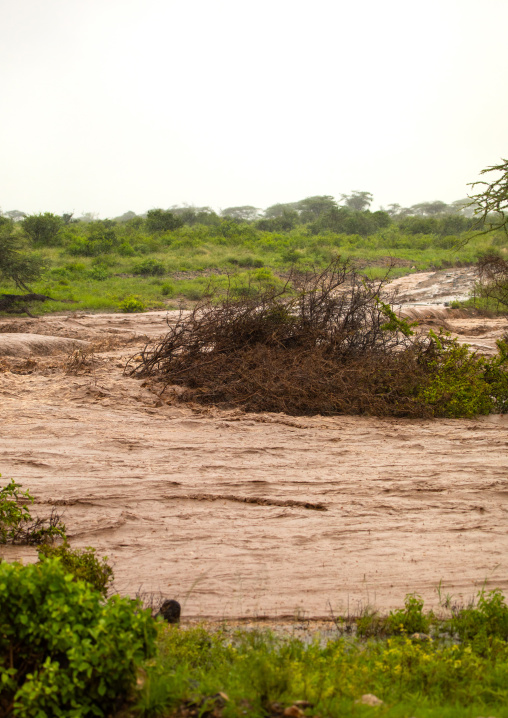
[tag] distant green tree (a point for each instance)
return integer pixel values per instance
(17, 265)
(343, 220)
(430, 209)
(15, 215)
(419, 225)
(196, 215)
(393, 209)
(126, 217)
(357, 200)
(312, 208)
(43, 229)
(277, 210)
(245, 213)
(455, 224)
(283, 223)
(161, 220)
(308, 209)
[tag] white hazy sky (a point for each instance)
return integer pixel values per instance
(116, 105)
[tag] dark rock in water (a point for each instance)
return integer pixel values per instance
(170, 611)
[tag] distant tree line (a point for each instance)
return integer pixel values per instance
(320, 214)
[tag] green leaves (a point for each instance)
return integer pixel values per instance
(11, 514)
(81, 564)
(16, 522)
(461, 383)
(64, 650)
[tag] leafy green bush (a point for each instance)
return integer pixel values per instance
(249, 262)
(82, 564)
(131, 305)
(64, 651)
(194, 292)
(410, 619)
(160, 220)
(461, 383)
(11, 514)
(125, 249)
(149, 268)
(16, 522)
(43, 228)
(485, 623)
(99, 273)
(168, 289)
(101, 239)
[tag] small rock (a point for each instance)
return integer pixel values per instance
(422, 637)
(368, 699)
(293, 712)
(170, 611)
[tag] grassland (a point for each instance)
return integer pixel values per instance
(122, 267)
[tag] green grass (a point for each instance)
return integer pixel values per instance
(255, 670)
(462, 670)
(188, 259)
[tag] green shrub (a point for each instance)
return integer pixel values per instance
(82, 564)
(483, 624)
(106, 261)
(101, 239)
(410, 619)
(168, 289)
(463, 384)
(16, 522)
(11, 514)
(149, 268)
(64, 651)
(99, 273)
(264, 275)
(249, 262)
(132, 304)
(43, 229)
(160, 220)
(73, 270)
(126, 250)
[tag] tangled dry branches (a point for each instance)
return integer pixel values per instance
(493, 273)
(323, 344)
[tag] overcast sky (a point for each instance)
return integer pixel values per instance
(116, 105)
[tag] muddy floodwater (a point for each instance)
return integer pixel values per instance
(239, 514)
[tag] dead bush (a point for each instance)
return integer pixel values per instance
(323, 344)
(80, 361)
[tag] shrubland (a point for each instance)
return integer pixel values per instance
(99, 264)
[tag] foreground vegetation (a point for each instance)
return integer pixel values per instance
(67, 651)
(410, 675)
